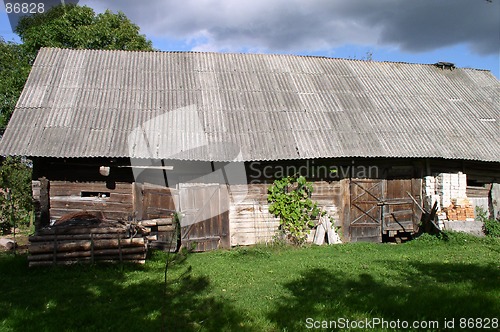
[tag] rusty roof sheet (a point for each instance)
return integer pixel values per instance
(223, 107)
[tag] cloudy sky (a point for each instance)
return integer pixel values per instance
(466, 32)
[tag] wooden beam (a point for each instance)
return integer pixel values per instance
(44, 204)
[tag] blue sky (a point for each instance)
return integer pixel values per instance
(465, 32)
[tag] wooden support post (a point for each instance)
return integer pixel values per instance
(35, 191)
(137, 199)
(346, 208)
(494, 201)
(44, 219)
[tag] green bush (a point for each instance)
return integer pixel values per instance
(290, 200)
(492, 228)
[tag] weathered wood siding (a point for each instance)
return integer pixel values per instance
(205, 217)
(328, 195)
(68, 197)
(155, 201)
(40, 191)
(250, 220)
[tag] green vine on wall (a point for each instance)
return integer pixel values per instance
(290, 200)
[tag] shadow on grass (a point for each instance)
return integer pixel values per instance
(420, 291)
(108, 298)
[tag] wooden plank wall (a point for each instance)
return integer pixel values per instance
(328, 195)
(40, 191)
(477, 191)
(250, 220)
(205, 222)
(249, 217)
(66, 197)
(155, 201)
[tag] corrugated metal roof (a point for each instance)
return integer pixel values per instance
(211, 106)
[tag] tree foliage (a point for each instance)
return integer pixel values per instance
(66, 26)
(290, 200)
(78, 27)
(15, 183)
(15, 65)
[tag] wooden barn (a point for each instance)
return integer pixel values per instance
(135, 136)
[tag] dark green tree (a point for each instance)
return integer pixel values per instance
(15, 65)
(15, 197)
(72, 26)
(66, 26)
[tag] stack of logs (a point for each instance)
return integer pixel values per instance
(162, 233)
(461, 210)
(68, 244)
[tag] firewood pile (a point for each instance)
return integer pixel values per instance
(162, 232)
(84, 237)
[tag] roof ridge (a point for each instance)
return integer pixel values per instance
(260, 54)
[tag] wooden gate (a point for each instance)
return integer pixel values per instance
(205, 216)
(380, 207)
(365, 211)
(400, 213)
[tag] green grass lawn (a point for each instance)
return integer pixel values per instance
(258, 289)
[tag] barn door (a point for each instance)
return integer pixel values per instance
(205, 216)
(365, 209)
(383, 207)
(399, 211)
(158, 201)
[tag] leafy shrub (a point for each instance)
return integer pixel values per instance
(481, 214)
(290, 200)
(491, 226)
